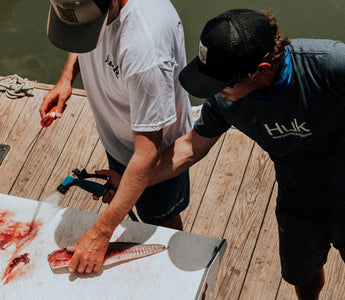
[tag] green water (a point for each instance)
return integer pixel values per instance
(26, 51)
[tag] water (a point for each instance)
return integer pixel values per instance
(53, 201)
(26, 51)
(54, 198)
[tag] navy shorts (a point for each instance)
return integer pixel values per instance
(163, 201)
(304, 246)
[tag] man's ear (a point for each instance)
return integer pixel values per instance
(264, 67)
(262, 70)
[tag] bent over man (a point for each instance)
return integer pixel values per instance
(129, 54)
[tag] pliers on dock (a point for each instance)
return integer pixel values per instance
(79, 179)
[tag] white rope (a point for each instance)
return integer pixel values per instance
(15, 86)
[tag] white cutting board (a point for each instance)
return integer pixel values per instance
(177, 273)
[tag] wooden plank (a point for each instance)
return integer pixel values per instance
(334, 288)
(224, 185)
(222, 190)
(45, 153)
(199, 178)
(10, 110)
(245, 223)
(76, 154)
(264, 275)
(286, 291)
(20, 136)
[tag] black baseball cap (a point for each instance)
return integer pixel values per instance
(77, 25)
(231, 46)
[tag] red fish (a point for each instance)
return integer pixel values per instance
(117, 252)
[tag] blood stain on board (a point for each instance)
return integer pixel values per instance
(19, 234)
(8, 274)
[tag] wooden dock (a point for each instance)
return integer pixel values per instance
(233, 192)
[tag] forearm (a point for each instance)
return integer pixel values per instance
(71, 69)
(135, 179)
(61, 92)
(181, 155)
(133, 183)
(175, 160)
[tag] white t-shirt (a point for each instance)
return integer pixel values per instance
(131, 78)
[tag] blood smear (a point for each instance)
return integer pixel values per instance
(8, 275)
(19, 234)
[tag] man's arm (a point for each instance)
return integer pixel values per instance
(181, 155)
(138, 174)
(63, 88)
(90, 249)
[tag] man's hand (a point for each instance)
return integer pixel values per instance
(58, 94)
(63, 89)
(89, 251)
(111, 185)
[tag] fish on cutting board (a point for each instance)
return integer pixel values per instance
(117, 252)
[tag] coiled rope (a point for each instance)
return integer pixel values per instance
(15, 86)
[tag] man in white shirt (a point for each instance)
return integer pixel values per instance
(129, 55)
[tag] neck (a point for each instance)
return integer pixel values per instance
(114, 9)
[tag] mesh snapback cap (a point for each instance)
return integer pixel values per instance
(77, 25)
(231, 46)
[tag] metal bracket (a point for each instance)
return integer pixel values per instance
(3, 152)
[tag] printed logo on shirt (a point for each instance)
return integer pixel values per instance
(278, 131)
(116, 69)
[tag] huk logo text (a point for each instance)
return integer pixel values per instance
(277, 131)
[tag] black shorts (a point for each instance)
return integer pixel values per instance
(163, 201)
(304, 246)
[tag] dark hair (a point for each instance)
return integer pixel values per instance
(275, 56)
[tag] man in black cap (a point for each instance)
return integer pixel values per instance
(130, 54)
(289, 97)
